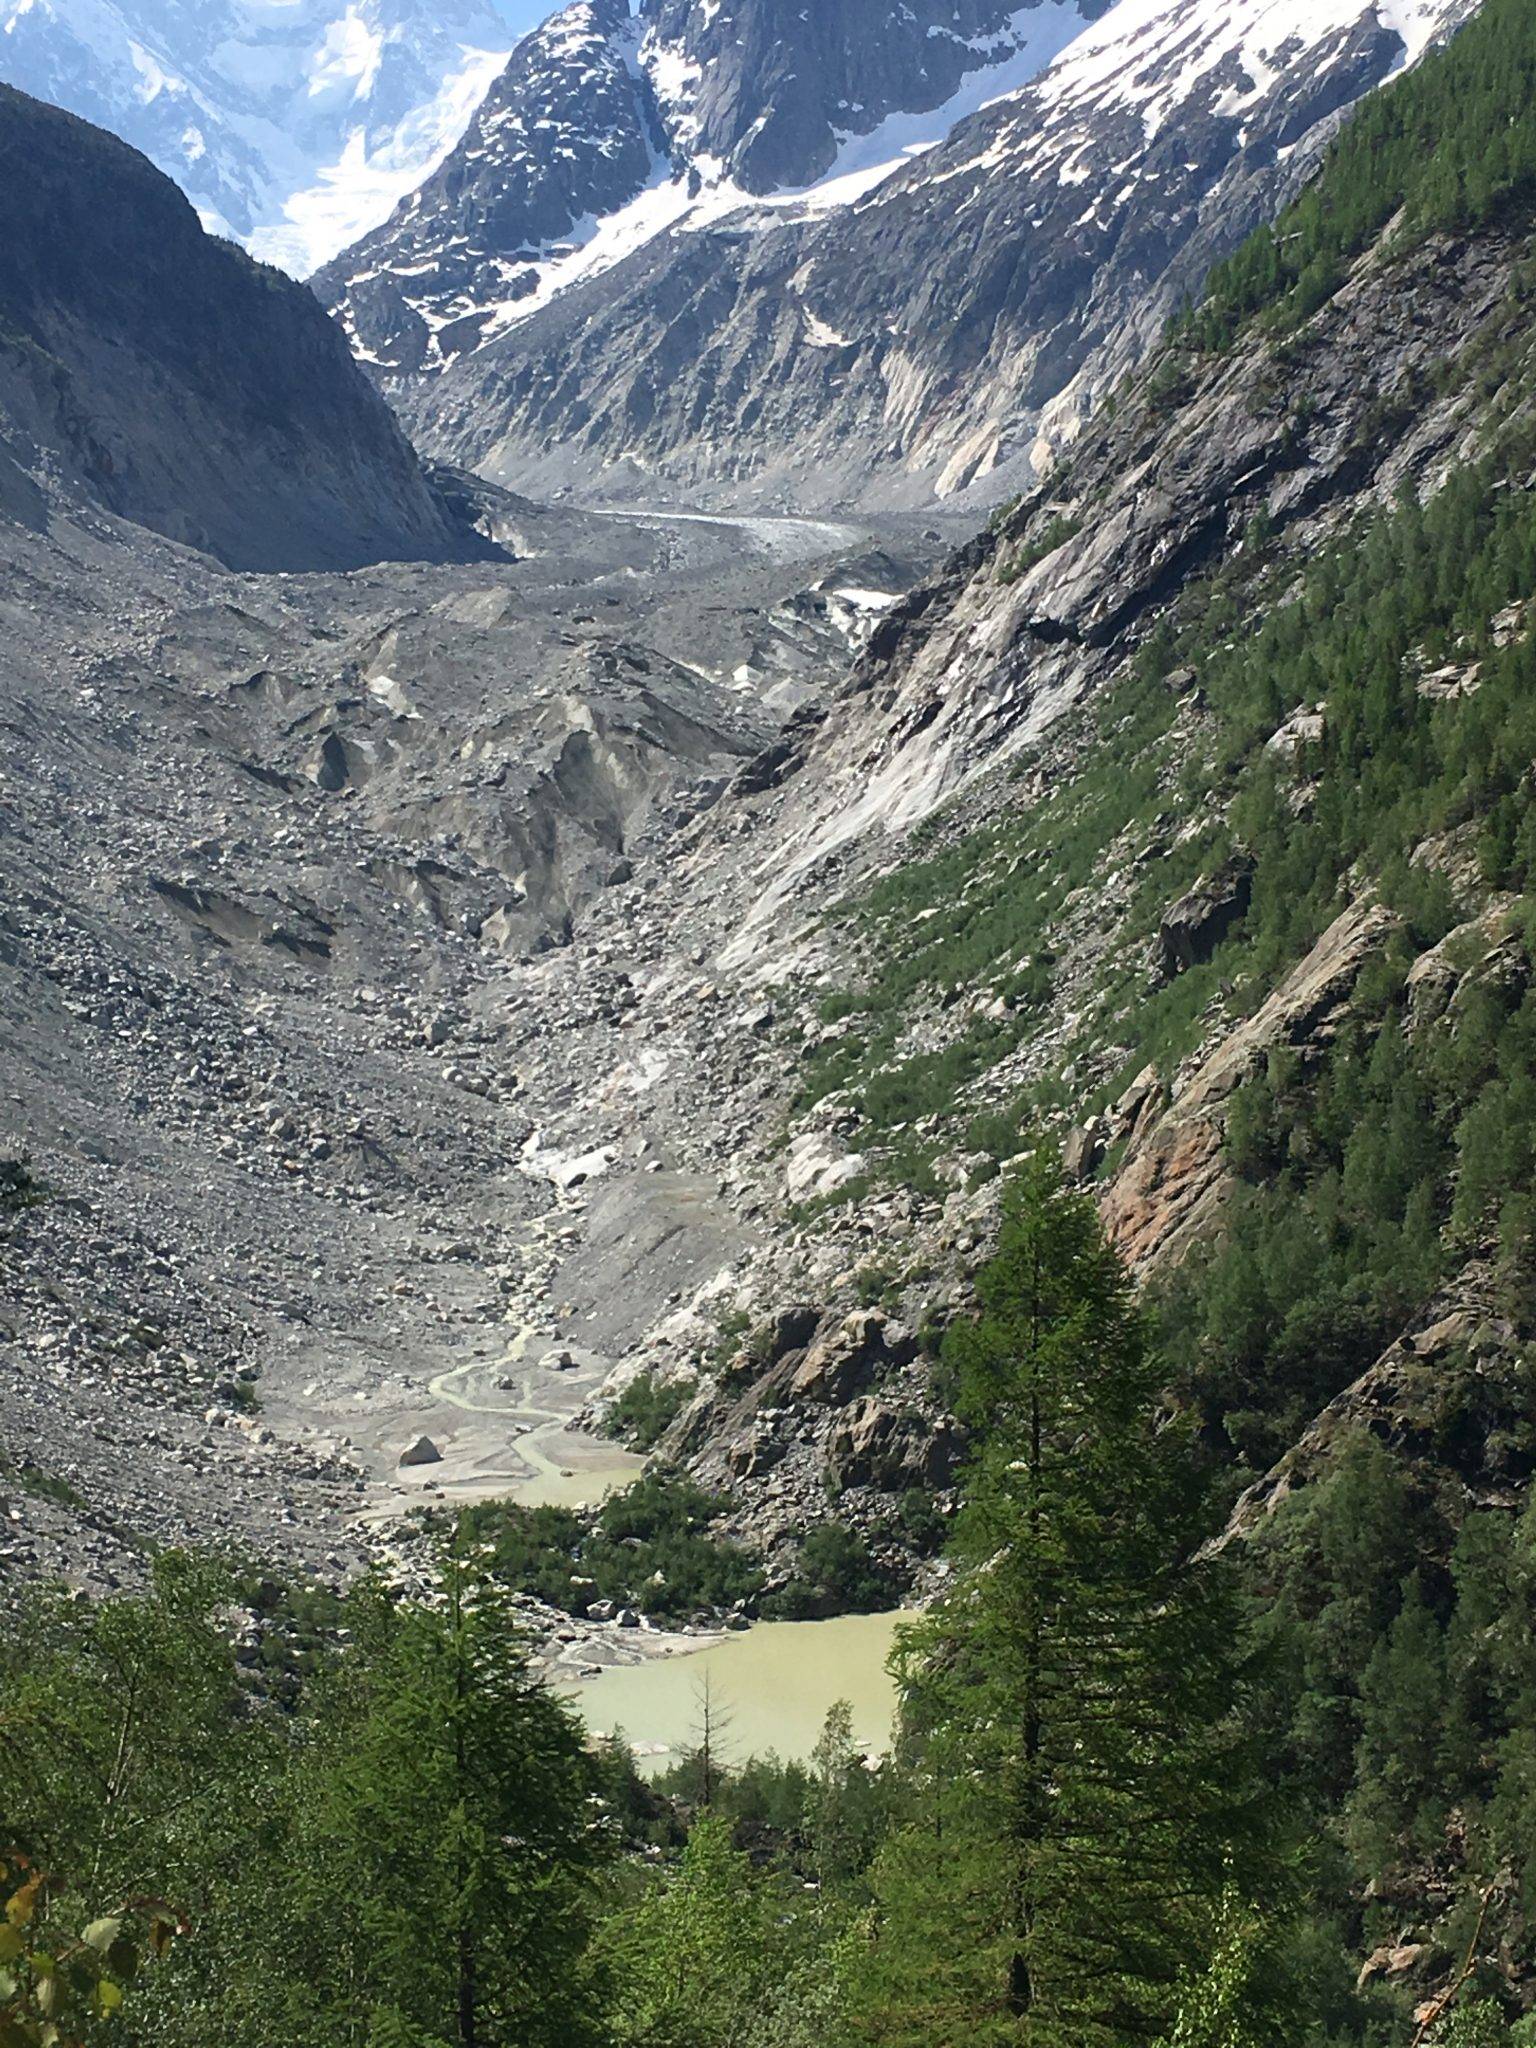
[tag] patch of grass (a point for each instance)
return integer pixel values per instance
(1055, 534)
(18, 1189)
(43, 1485)
(646, 1410)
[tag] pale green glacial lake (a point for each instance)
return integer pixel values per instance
(772, 1685)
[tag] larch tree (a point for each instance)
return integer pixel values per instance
(1086, 1794)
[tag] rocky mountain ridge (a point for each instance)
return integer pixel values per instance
(930, 316)
(604, 129)
(980, 695)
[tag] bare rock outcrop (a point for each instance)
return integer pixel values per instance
(841, 1363)
(1174, 1179)
(1193, 927)
(884, 1448)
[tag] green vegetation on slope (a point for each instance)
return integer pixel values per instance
(1375, 1169)
(1450, 146)
(1143, 1795)
(653, 1548)
(1399, 1622)
(646, 1410)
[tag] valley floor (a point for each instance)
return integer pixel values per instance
(341, 1137)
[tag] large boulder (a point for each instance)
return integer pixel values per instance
(757, 1452)
(842, 1363)
(890, 1449)
(816, 1166)
(422, 1452)
(1194, 926)
(791, 1330)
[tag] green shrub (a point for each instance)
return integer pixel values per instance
(834, 1574)
(646, 1410)
(653, 1547)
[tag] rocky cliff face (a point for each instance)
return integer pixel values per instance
(769, 94)
(156, 372)
(568, 133)
(924, 303)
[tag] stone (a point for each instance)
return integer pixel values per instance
(1083, 1149)
(1303, 729)
(815, 1167)
(422, 1452)
(841, 1363)
(791, 1330)
(890, 1449)
(1392, 1959)
(750, 1456)
(1193, 927)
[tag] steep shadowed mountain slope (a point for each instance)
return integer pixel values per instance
(921, 318)
(165, 376)
(293, 127)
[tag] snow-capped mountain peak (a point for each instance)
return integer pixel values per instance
(861, 262)
(293, 125)
(605, 130)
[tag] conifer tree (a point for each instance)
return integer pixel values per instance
(442, 1834)
(844, 1806)
(697, 1956)
(1087, 1796)
(116, 1723)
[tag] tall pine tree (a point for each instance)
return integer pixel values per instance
(441, 1830)
(1086, 1795)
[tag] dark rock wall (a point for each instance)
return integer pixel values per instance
(175, 381)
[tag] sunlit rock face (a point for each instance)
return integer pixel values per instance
(766, 256)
